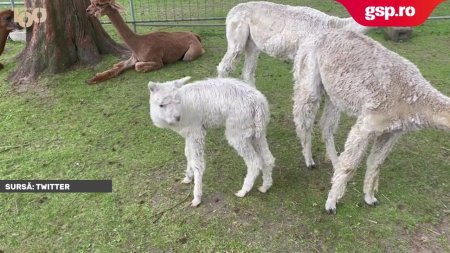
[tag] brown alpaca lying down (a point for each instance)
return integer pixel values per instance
(150, 51)
(7, 25)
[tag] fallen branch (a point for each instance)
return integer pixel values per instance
(374, 222)
(434, 232)
(161, 213)
(446, 149)
(386, 197)
(6, 149)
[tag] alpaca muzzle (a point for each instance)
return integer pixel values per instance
(93, 11)
(14, 26)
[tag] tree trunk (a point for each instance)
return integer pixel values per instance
(67, 37)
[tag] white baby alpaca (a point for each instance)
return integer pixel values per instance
(190, 109)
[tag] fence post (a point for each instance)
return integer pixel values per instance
(133, 16)
(13, 5)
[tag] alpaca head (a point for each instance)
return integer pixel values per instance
(99, 8)
(441, 119)
(165, 104)
(7, 20)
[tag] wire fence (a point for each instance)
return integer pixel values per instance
(12, 3)
(178, 12)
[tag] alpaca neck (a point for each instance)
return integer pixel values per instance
(124, 30)
(3, 37)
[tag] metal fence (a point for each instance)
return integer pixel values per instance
(12, 3)
(178, 12)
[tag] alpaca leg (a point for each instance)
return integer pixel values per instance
(148, 66)
(245, 149)
(251, 60)
(307, 89)
(381, 147)
(189, 172)
(237, 37)
(115, 71)
(197, 163)
(355, 146)
(329, 122)
(194, 52)
(305, 110)
(262, 148)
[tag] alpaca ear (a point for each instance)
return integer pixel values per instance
(153, 87)
(118, 7)
(180, 82)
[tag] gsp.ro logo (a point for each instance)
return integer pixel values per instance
(26, 18)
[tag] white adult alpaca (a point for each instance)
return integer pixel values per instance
(387, 93)
(190, 109)
(274, 29)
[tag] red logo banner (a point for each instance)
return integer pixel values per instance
(390, 12)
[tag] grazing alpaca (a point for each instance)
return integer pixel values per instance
(7, 25)
(387, 93)
(190, 109)
(149, 52)
(274, 29)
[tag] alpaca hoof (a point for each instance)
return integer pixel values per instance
(312, 167)
(374, 204)
(310, 164)
(240, 194)
(263, 188)
(92, 81)
(331, 211)
(330, 207)
(371, 201)
(195, 202)
(186, 180)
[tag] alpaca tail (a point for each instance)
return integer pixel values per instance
(306, 69)
(347, 24)
(304, 54)
(261, 118)
(352, 25)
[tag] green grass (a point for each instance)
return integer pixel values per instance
(65, 129)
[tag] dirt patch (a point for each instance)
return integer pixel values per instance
(432, 238)
(34, 88)
(215, 205)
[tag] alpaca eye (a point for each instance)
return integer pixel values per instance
(161, 106)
